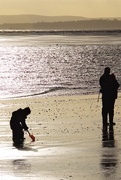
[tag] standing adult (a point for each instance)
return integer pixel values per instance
(109, 86)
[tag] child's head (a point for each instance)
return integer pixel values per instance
(27, 111)
(113, 76)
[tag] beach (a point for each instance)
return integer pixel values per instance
(57, 76)
(70, 143)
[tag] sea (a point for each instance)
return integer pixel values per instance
(55, 65)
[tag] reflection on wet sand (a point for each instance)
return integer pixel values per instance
(109, 157)
(21, 165)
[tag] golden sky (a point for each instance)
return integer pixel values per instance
(85, 8)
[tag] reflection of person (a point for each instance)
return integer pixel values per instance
(18, 124)
(109, 158)
(21, 166)
(109, 87)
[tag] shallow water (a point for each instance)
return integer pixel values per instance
(56, 65)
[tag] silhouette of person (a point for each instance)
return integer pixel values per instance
(109, 87)
(18, 125)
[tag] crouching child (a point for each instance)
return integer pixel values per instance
(18, 125)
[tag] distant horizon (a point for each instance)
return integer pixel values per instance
(60, 16)
(84, 8)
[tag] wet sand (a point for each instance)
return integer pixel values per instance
(70, 143)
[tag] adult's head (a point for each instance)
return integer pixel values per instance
(107, 71)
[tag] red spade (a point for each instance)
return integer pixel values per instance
(31, 136)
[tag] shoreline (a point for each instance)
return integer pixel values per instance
(39, 96)
(60, 32)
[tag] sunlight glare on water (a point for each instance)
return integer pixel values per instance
(66, 68)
